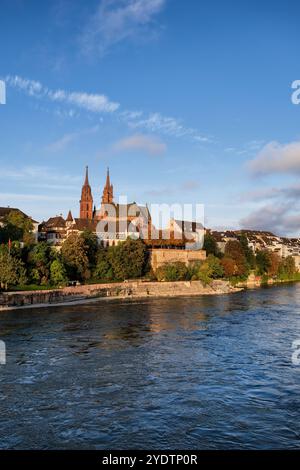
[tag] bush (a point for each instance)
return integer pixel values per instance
(172, 272)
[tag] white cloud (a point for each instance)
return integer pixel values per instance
(155, 122)
(116, 21)
(149, 144)
(90, 102)
(276, 158)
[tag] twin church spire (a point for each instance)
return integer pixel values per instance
(108, 191)
(87, 210)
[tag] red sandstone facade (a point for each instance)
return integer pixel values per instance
(86, 201)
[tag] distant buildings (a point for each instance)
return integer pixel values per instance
(259, 240)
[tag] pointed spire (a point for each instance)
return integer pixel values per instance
(86, 201)
(86, 182)
(70, 217)
(108, 196)
(107, 178)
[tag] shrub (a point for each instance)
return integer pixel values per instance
(172, 272)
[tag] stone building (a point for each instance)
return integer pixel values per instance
(114, 222)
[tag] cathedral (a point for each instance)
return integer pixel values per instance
(111, 221)
(114, 222)
(87, 208)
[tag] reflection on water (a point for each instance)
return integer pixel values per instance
(210, 372)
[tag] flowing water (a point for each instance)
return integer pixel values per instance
(198, 373)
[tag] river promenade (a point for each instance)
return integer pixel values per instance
(130, 289)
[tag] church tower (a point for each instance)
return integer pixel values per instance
(108, 191)
(86, 201)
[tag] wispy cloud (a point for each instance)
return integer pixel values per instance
(276, 158)
(149, 144)
(37, 174)
(155, 122)
(95, 103)
(116, 21)
(61, 143)
(247, 149)
(184, 187)
(100, 104)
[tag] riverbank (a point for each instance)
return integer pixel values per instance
(121, 290)
(258, 281)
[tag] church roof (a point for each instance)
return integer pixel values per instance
(131, 210)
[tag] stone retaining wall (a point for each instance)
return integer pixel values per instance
(160, 256)
(134, 289)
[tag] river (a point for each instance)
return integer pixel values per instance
(213, 372)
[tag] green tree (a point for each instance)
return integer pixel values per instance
(263, 262)
(17, 227)
(128, 259)
(74, 256)
(208, 270)
(287, 267)
(39, 259)
(12, 271)
(248, 253)
(210, 245)
(103, 270)
(92, 246)
(58, 274)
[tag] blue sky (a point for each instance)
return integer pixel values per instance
(185, 101)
